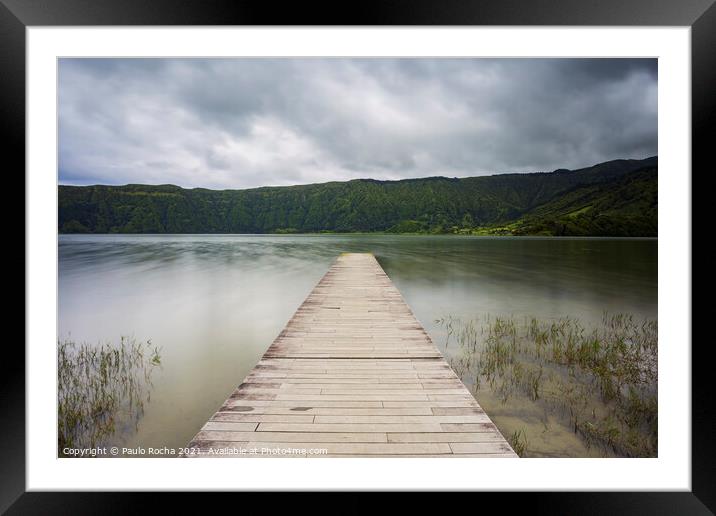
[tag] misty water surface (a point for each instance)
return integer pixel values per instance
(214, 303)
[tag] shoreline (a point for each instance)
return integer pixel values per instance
(379, 233)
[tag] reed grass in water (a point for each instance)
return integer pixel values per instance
(601, 381)
(101, 389)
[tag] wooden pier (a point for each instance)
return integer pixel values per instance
(352, 374)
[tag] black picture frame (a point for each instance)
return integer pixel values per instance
(16, 15)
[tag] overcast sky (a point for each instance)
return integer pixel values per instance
(240, 123)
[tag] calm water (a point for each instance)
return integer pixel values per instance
(214, 303)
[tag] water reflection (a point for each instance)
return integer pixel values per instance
(214, 303)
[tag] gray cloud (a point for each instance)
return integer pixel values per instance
(238, 123)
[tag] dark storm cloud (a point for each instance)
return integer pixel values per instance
(237, 123)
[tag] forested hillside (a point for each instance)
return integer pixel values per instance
(624, 207)
(616, 198)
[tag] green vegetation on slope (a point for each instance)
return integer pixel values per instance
(506, 203)
(626, 207)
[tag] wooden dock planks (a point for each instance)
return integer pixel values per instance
(353, 373)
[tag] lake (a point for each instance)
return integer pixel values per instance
(214, 303)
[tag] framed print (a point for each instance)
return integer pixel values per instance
(385, 253)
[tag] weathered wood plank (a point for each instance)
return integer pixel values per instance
(234, 427)
(316, 437)
(359, 448)
(292, 404)
(360, 455)
(446, 437)
(480, 447)
(330, 411)
(478, 418)
(350, 427)
(296, 417)
(433, 403)
(349, 397)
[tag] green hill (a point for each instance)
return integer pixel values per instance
(624, 207)
(611, 195)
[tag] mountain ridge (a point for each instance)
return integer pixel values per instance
(475, 205)
(649, 159)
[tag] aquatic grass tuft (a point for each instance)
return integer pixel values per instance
(600, 381)
(518, 441)
(101, 389)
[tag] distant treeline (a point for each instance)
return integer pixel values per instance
(616, 198)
